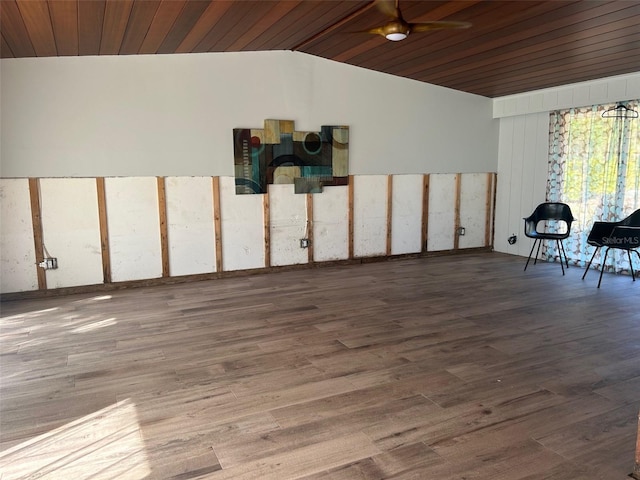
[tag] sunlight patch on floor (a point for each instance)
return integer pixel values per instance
(106, 444)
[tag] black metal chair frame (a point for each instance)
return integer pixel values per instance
(621, 236)
(548, 211)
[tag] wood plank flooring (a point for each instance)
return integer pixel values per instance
(457, 367)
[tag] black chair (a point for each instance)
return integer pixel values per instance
(623, 235)
(545, 212)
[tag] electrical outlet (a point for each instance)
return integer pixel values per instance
(49, 263)
(461, 231)
(304, 243)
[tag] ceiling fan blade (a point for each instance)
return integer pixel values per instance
(389, 8)
(376, 30)
(437, 25)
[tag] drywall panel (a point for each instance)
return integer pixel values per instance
(473, 209)
(190, 225)
(370, 215)
(85, 114)
(134, 228)
(242, 228)
(406, 214)
(17, 254)
(424, 128)
(331, 224)
(442, 203)
(71, 231)
(288, 222)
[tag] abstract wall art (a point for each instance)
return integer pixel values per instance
(279, 154)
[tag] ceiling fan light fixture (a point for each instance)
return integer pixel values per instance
(396, 30)
(396, 36)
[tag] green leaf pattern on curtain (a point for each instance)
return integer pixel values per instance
(594, 167)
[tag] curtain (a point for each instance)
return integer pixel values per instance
(594, 167)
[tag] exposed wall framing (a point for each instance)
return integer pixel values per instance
(389, 212)
(384, 216)
(104, 230)
(217, 222)
(425, 211)
(164, 234)
(36, 221)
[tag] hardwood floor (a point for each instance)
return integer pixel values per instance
(459, 367)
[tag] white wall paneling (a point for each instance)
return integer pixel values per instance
(522, 177)
(524, 146)
(242, 228)
(288, 220)
(605, 90)
(330, 224)
(17, 255)
(134, 228)
(190, 225)
(370, 215)
(406, 214)
(442, 200)
(71, 231)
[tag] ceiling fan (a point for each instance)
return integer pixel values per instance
(397, 28)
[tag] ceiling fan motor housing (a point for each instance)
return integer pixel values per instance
(396, 30)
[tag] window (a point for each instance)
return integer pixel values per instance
(594, 166)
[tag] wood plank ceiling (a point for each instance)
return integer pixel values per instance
(512, 46)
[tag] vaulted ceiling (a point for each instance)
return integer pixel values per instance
(512, 46)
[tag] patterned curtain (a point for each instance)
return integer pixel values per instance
(594, 167)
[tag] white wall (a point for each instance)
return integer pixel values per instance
(370, 216)
(524, 148)
(242, 219)
(70, 221)
(17, 250)
(134, 228)
(132, 119)
(173, 115)
(406, 214)
(604, 90)
(442, 199)
(288, 223)
(190, 225)
(330, 224)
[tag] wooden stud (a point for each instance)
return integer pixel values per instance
(389, 212)
(104, 230)
(350, 213)
(456, 237)
(267, 228)
(493, 209)
(487, 208)
(309, 226)
(425, 211)
(217, 222)
(164, 230)
(36, 222)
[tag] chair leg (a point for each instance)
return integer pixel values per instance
(633, 275)
(606, 252)
(637, 253)
(530, 253)
(560, 250)
(535, 260)
(566, 259)
(589, 264)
